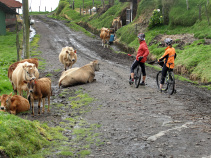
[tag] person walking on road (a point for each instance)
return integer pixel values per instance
(168, 57)
(141, 58)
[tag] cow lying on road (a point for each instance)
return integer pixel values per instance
(105, 36)
(39, 89)
(80, 75)
(68, 57)
(14, 104)
(24, 72)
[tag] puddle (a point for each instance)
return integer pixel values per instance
(32, 33)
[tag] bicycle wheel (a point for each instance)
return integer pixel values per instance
(158, 79)
(171, 83)
(137, 76)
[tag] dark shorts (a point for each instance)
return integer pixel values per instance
(164, 72)
(135, 64)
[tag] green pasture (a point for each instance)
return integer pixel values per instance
(8, 55)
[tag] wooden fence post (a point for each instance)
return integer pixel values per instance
(96, 8)
(73, 4)
(207, 15)
(200, 12)
(17, 41)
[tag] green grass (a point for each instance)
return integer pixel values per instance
(38, 13)
(8, 55)
(21, 137)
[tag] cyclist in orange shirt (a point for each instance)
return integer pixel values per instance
(168, 57)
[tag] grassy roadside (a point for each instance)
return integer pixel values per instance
(8, 55)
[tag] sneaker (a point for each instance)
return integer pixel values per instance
(142, 83)
(131, 81)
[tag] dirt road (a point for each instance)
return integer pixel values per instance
(135, 122)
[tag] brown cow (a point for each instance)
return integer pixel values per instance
(68, 57)
(14, 104)
(14, 65)
(23, 73)
(117, 23)
(39, 89)
(105, 36)
(82, 75)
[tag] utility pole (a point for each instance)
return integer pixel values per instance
(26, 27)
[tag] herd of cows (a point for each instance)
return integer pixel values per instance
(24, 76)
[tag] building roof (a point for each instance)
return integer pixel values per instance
(6, 9)
(12, 3)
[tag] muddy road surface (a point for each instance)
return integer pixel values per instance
(134, 122)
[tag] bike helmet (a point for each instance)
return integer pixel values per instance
(168, 41)
(141, 36)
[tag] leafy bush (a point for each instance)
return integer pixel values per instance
(156, 19)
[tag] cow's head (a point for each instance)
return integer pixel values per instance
(71, 54)
(30, 85)
(29, 71)
(5, 102)
(96, 65)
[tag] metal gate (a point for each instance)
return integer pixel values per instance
(128, 16)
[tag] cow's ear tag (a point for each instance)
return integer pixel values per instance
(75, 51)
(34, 82)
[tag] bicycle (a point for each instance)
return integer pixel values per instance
(169, 84)
(137, 75)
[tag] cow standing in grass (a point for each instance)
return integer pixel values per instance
(24, 72)
(39, 89)
(117, 24)
(14, 104)
(68, 57)
(13, 66)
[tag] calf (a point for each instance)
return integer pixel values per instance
(14, 104)
(39, 89)
(68, 57)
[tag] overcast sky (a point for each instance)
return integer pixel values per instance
(34, 4)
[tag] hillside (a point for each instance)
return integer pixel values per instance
(191, 33)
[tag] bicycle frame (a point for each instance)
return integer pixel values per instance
(169, 80)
